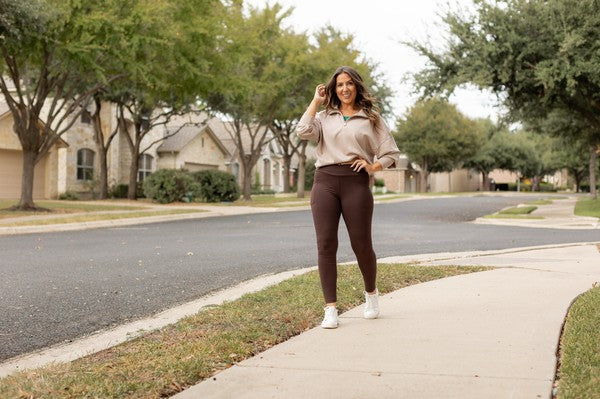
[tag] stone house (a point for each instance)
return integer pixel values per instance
(192, 148)
(268, 171)
(46, 173)
(72, 165)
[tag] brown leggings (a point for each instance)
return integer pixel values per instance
(336, 190)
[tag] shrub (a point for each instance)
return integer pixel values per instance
(169, 185)
(118, 191)
(216, 186)
(524, 187)
(548, 187)
(585, 187)
(309, 173)
(379, 183)
(139, 190)
(68, 195)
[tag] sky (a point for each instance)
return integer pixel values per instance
(378, 27)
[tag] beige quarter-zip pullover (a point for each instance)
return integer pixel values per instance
(340, 141)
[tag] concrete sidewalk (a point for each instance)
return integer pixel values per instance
(492, 334)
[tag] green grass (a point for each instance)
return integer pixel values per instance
(588, 207)
(98, 216)
(518, 210)
(509, 216)
(61, 207)
(579, 371)
(268, 200)
(540, 202)
(392, 197)
(164, 362)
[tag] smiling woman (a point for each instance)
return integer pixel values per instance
(353, 142)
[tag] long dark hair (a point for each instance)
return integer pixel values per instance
(364, 99)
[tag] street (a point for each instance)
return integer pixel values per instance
(56, 287)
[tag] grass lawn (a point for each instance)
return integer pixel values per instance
(518, 210)
(391, 197)
(540, 202)
(508, 216)
(268, 200)
(94, 217)
(165, 362)
(579, 370)
(588, 207)
(61, 207)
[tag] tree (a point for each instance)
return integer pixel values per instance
(103, 141)
(536, 157)
(138, 28)
(168, 70)
(299, 75)
(484, 160)
(571, 147)
(53, 52)
(251, 83)
(538, 56)
(436, 136)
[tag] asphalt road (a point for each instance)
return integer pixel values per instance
(55, 287)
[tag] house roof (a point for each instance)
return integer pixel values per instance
(220, 130)
(180, 139)
(185, 135)
(224, 131)
(5, 113)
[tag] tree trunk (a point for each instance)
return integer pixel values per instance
(423, 177)
(101, 148)
(26, 202)
(247, 183)
(535, 183)
(133, 171)
(485, 181)
(287, 160)
(593, 171)
(103, 176)
(577, 176)
(301, 170)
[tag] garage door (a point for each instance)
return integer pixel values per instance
(11, 169)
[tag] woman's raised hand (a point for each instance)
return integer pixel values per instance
(320, 94)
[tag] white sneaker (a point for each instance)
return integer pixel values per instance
(331, 317)
(371, 305)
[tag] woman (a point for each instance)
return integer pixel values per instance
(350, 134)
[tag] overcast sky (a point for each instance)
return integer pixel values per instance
(378, 26)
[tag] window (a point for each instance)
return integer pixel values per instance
(86, 117)
(235, 170)
(145, 166)
(85, 164)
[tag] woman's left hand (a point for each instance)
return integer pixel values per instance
(360, 164)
